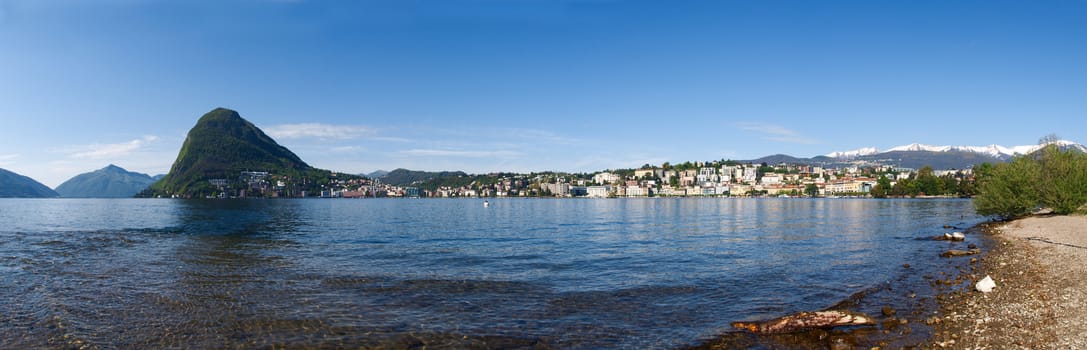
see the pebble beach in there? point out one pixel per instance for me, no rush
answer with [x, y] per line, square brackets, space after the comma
[1039, 265]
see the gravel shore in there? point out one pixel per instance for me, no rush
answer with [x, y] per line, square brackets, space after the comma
[1040, 302]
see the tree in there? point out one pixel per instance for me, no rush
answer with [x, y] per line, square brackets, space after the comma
[1063, 184]
[902, 187]
[927, 183]
[812, 190]
[1049, 139]
[949, 185]
[1051, 178]
[1007, 190]
[882, 187]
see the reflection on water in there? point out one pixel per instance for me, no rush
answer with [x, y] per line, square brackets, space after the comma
[648, 273]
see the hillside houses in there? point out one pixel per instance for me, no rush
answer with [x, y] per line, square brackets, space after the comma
[702, 179]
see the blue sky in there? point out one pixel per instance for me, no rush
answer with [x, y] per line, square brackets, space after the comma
[529, 85]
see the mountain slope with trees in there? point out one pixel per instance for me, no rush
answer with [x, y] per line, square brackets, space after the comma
[405, 177]
[221, 147]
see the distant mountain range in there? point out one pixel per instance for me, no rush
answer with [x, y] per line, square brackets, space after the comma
[995, 151]
[109, 182]
[918, 155]
[13, 185]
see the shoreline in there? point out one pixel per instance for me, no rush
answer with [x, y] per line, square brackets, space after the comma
[1038, 264]
[900, 305]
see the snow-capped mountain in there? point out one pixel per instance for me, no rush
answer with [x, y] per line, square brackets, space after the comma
[996, 151]
[854, 153]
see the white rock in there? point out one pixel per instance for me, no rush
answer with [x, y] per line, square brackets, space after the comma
[958, 236]
[985, 285]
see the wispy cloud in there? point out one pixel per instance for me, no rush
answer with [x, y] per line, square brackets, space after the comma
[777, 133]
[8, 159]
[520, 135]
[319, 131]
[347, 149]
[108, 150]
[539, 135]
[460, 153]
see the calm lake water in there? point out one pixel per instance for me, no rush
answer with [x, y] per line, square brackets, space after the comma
[562, 273]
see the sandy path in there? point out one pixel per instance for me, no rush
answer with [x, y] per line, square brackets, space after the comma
[1060, 243]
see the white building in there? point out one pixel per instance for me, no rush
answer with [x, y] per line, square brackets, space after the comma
[637, 191]
[707, 175]
[748, 174]
[598, 191]
[771, 179]
[605, 178]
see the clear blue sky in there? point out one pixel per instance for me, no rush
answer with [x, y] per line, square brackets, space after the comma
[528, 85]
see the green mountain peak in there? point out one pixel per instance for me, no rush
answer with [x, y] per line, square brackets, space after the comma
[218, 149]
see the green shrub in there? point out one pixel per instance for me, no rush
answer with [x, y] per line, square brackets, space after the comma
[1051, 178]
[1007, 190]
[1063, 184]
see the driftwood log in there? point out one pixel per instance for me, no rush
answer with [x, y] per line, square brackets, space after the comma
[956, 252]
[806, 321]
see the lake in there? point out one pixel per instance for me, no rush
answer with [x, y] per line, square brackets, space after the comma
[398, 273]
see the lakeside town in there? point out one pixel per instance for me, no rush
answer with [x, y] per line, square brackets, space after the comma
[690, 179]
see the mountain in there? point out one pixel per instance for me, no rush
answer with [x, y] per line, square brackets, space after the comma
[994, 151]
[404, 177]
[109, 182]
[376, 174]
[854, 153]
[220, 147]
[13, 185]
[917, 155]
[778, 159]
[937, 160]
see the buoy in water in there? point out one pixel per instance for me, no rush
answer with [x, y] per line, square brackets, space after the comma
[486, 204]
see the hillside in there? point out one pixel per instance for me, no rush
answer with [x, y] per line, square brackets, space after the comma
[13, 185]
[220, 147]
[109, 182]
[404, 177]
[938, 160]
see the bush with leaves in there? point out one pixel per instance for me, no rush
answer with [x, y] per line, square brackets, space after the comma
[1007, 190]
[1051, 178]
[1062, 185]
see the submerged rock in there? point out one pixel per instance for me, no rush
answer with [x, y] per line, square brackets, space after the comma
[805, 321]
[953, 236]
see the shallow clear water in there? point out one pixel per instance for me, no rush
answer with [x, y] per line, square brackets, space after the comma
[567, 273]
